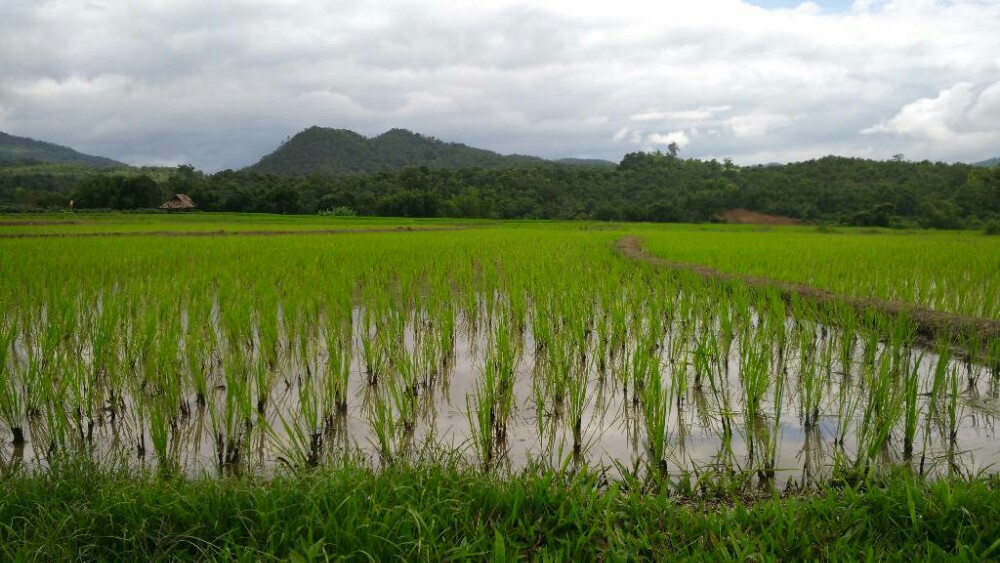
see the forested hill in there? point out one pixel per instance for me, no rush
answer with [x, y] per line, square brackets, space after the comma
[319, 150]
[990, 162]
[22, 150]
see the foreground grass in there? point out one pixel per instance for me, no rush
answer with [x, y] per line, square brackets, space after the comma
[435, 512]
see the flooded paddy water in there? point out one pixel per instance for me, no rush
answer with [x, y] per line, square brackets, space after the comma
[793, 410]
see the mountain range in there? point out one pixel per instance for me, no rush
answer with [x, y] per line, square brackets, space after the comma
[22, 150]
[319, 150]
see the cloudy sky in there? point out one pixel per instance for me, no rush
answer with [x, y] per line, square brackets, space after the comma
[220, 84]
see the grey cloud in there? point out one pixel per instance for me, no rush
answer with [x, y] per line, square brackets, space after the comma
[220, 84]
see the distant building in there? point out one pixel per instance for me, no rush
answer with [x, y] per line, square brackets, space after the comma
[179, 202]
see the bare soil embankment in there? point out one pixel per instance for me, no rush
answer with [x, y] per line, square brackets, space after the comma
[930, 324]
[747, 217]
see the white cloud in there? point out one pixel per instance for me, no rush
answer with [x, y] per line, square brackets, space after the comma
[679, 137]
[962, 115]
[985, 114]
[808, 8]
[699, 114]
[756, 124]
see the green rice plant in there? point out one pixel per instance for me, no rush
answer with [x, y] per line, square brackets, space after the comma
[503, 358]
[885, 404]
[656, 404]
[940, 374]
[973, 346]
[404, 389]
[55, 412]
[446, 331]
[774, 435]
[810, 384]
[383, 331]
[137, 405]
[574, 351]
[993, 359]
[481, 414]
[618, 334]
[847, 343]
[12, 401]
[705, 356]
[305, 432]
[678, 379]
[953, 405]
[338, 331]
[197, 354]
[374, 357]
[105, 345]
[83, 398]
[384, 427]
[272, 325]
[911, 406]
[160, 417]
[558, 369]
[755, 377]
[490, 410]
[232, 417]
[578, 400]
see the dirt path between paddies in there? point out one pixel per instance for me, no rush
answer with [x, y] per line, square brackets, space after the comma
[930, 324]
[224, 233]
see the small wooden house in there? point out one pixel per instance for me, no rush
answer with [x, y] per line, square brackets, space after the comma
[179, 202]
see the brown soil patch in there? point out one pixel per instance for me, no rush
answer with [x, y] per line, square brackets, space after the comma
[222, 233]
[930, 324]
[747, 217]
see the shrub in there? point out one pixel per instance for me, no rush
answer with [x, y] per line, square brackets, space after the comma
[339, 211]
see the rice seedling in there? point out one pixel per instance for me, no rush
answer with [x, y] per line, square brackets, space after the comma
[258, 351]
[12, 401]
[338, 331]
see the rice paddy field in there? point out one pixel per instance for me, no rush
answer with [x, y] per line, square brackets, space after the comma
[437, 389]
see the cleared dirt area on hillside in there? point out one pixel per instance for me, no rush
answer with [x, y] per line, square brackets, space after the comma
[747, 217]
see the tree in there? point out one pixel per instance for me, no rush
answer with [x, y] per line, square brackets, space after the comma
[939, 214]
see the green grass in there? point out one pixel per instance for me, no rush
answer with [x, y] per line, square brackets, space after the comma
[444, 512]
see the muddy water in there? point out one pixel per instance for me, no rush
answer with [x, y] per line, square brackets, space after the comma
[777, 445]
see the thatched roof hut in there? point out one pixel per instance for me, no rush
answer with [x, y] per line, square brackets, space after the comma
[179, 202]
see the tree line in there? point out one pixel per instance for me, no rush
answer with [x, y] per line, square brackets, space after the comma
[644, 187]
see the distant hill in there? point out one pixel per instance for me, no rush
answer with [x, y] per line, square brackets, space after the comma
[319, 150]
[22, 150]
[987, 163]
